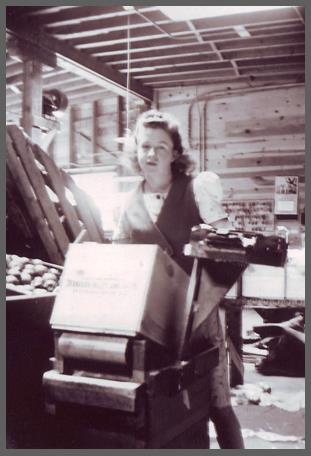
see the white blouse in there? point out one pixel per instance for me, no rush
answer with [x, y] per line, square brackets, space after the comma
[207, 193]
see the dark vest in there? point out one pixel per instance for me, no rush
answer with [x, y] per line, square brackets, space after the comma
[172, 230]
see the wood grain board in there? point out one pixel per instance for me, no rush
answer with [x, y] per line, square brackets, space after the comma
[58, 219]
[35, 210]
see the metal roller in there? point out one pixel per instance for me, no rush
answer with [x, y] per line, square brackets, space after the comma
[93, 348]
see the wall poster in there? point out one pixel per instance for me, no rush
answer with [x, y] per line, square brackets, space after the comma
[286, 195]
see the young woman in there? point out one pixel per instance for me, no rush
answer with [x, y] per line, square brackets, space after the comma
[162, 210]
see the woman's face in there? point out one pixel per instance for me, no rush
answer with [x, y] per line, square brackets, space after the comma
[155, 151]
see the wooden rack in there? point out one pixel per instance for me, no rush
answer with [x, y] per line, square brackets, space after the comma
[51, 207]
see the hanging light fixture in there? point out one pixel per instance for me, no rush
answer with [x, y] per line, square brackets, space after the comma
[54, 103]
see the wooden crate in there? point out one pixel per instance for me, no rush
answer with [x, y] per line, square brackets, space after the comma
[47, 208]
[169, 409]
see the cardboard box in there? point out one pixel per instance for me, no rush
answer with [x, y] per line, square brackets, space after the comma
[295, 274]
[123, 289]
[261, 281]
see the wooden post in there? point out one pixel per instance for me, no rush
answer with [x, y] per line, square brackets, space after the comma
[94, 132]
[235, 341]
[32, 97]
[120, 130]
[72, 152]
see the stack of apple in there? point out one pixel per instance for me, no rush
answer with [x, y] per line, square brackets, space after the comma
[28, 276]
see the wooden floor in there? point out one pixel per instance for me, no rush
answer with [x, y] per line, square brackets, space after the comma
[279, 425]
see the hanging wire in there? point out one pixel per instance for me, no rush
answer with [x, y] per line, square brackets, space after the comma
[128, 75]
[127, 96]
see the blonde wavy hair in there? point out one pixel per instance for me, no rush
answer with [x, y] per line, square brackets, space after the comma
[183, 163]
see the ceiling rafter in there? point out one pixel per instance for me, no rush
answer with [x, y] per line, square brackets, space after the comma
[83, 47]
[70, 58]
[96, 25]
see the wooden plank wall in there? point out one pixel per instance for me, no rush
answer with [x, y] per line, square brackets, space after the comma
[95, 127]
[246, 135]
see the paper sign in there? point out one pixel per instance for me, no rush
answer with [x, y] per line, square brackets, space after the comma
[286, 195]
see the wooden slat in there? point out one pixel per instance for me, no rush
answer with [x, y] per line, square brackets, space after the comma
[15, 213]
[189, 75]
[282, 125]
[37, 182]
[190, 406]
[83, 208]
[89, 391]
[297, 59]
[96, 26]
[139, 33]
[198, 64]
[273, 78]
[249, 43]
[155, 41]
[74, 60]
[265, 160]
[59, 189]
[34, 209]
[265, 51]
[69, 14]
[169, 60]
[277, 69]
[148, 50]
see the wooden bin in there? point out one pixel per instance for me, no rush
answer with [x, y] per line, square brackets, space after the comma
[46, 209]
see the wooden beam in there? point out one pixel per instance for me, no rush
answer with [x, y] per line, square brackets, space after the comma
[57, 74]
[254, 80]
[77, 100]
[32, 95]
[149, 48]
[151, 40]
[242, 43]
[224, 41]
[72, 149]
[250, 18]
[74, 84]
[279, 170]
[176, 54]
[140, 33]
[300, 10]
[94, 131]
[96, 26]
[191, 66]
[120, 109]
[87, 91]
[163, 75]
[169, 60]
[277, 68]
[73, 60]
[273, 159]
[15, 69]
[63, 13]
[291, 27]
[264, 51]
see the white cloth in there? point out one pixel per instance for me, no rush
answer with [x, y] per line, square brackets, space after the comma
[208, 196]
[154, 203]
